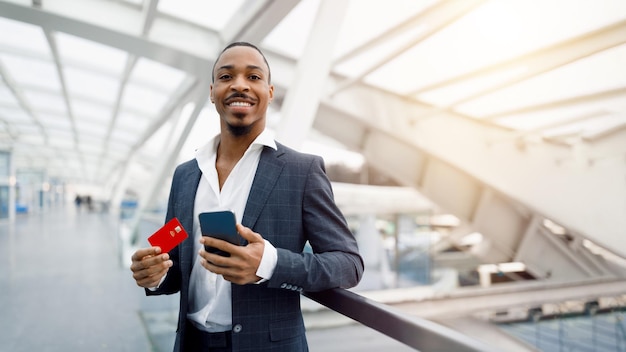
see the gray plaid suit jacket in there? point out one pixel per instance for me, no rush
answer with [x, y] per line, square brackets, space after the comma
[290, 203]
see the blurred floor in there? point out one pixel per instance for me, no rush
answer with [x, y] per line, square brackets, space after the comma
[63, 288]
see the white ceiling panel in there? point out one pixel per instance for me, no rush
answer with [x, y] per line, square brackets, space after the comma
[14, 114]
[45, 101]
[56, 122]
[7, 99]
[60, 140]
[125, 135]
[589, 128]
[24, 36]
[358, 28]
[425, 53]
[31, 72]
[90, 111]
[494, 32]
[132, 122]
[28, 136]
[89, 129]
[601, 72]
[88, 147]
[93, 85]
[213, 14]
[89, 53]
[157, 76]
[118, 150]
[139, 98]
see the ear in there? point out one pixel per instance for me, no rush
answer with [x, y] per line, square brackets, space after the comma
[271, 93]
[211, 94]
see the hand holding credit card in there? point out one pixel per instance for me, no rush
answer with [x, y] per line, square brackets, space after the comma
[168, 236]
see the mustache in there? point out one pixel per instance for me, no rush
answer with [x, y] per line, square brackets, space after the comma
[239, 95]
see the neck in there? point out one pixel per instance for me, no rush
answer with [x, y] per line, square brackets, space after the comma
[232, 147]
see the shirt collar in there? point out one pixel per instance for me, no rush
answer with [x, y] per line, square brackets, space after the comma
[265, 139]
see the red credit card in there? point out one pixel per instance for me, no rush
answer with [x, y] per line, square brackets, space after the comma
[168, 236]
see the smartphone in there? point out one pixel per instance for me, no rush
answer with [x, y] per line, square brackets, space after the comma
[219, 224]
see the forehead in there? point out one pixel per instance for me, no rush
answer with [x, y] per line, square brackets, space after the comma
[239, 57]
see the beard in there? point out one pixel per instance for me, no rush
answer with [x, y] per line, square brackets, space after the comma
[239, 131]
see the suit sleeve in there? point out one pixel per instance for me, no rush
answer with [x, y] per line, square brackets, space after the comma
[171, 284]
[335, 261]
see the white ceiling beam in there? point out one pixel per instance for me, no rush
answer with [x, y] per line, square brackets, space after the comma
[305, 93]
[189, 61]
[608, 132]
[432, 20]
[544, 59]
[538, 179]
[150, 12]
[148, 15]
[534, 64]
[255, 19]
[169, 160]
[13, 88]
[572, 101]
[64, 93]
[176, 100]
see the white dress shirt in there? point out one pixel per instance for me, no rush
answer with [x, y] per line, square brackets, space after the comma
[209, 294]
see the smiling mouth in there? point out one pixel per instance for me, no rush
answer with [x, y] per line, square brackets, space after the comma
[240, 104]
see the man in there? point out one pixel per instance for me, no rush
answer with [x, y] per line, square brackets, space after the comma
[249, 301]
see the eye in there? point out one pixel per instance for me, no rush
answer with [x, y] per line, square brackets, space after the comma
[224, 76]
[255, 77]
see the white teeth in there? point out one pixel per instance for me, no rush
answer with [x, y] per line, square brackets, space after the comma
[239, 103]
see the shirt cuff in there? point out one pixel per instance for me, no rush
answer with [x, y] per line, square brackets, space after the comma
[268, 263]
[157, 286]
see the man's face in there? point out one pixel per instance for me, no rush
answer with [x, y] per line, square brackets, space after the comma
[241, 91]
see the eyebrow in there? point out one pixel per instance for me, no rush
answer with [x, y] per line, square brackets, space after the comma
[249, 67]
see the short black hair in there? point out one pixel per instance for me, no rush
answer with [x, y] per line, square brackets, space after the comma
[234, 44]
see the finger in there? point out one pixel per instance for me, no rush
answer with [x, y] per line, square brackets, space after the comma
[215, 260]
[148, 277]
[143, 252]
[219, 244]
[151, 281]
[148, 262]
[141, 274]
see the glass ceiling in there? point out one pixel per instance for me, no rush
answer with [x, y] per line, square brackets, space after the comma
[83, 98]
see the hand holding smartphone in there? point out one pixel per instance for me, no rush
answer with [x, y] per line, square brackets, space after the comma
[221, 225]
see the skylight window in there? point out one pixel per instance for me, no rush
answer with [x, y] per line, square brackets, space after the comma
[24, 36]
[212, 14]
[45, 102]
[93, 54]
[597, 73]
[31, 72]
[89, 84]
[6, 97]
[156, 75]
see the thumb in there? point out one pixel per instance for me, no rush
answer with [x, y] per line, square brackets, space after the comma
[248, 234]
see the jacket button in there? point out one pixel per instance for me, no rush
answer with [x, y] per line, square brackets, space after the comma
[283, 285]
[237, 328]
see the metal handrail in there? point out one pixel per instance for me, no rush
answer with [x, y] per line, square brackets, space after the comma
[421, 334]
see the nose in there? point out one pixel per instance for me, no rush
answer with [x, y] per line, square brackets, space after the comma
[240, 84]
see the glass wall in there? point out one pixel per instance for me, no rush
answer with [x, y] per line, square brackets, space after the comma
[5, 177]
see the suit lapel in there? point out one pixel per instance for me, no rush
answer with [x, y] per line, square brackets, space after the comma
[270, 167]
[188, 188]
